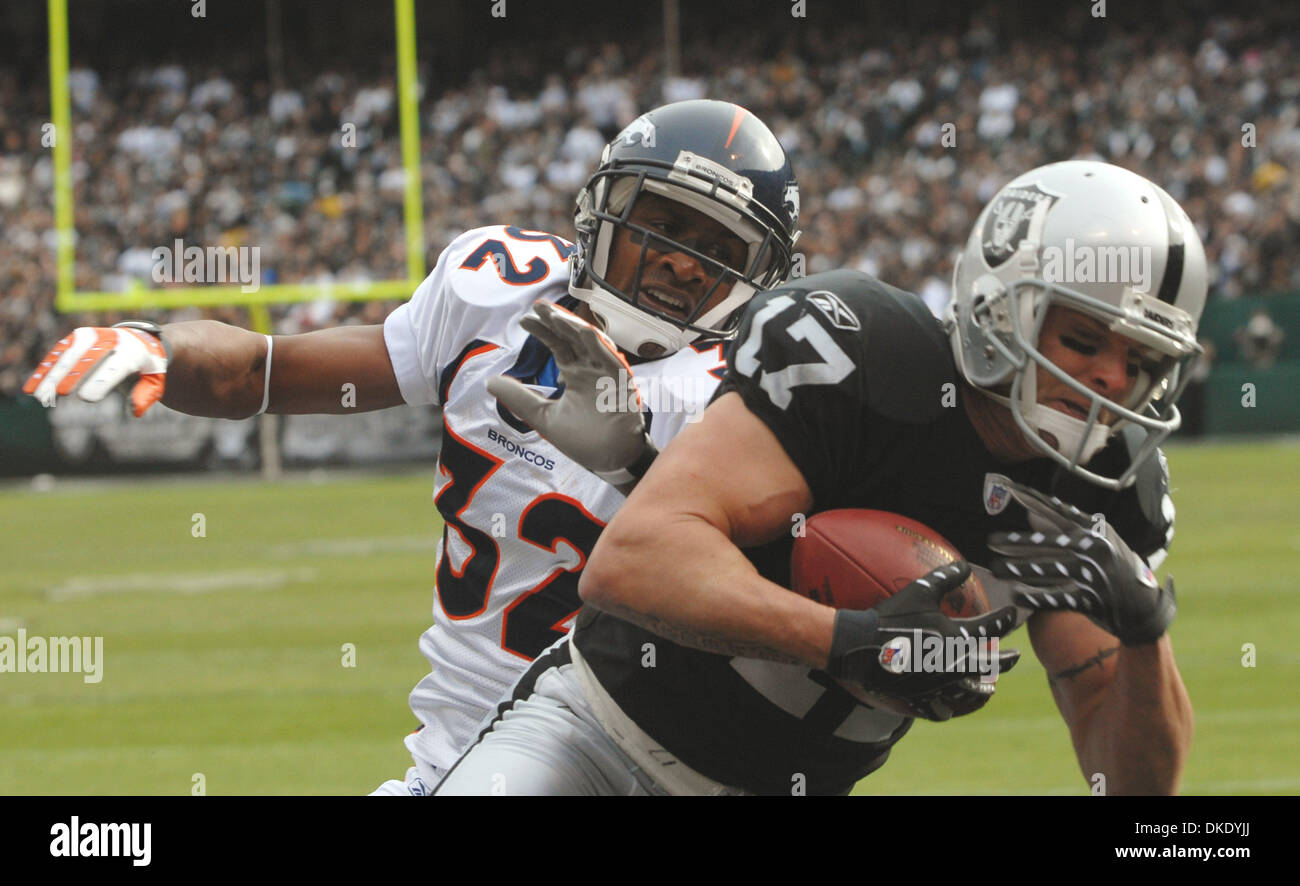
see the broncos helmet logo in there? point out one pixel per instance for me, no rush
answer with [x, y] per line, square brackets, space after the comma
[640, 129]
[791, 201]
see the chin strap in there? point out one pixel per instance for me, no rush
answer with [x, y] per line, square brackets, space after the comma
[631, 328]
[1068, 431]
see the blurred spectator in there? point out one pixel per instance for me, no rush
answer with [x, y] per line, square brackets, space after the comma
[1260, 340]
[898, 139]
[1192, 403]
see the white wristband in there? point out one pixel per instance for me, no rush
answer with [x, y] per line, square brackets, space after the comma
[266, 384]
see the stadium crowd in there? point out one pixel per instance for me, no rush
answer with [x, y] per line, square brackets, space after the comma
[896, 146]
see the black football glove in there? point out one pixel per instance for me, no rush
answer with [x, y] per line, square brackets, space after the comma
[874, 648]
[965, 696]
[1079, 566]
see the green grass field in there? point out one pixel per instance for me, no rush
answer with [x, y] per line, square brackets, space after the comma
[223, 655]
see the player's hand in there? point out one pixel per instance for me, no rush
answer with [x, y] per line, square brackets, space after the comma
[597, 421]
[884, 649]
[90, 361]
[965, 696]
[1072, 563]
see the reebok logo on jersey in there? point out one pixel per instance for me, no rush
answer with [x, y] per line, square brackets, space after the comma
[835, 310]
[528, 455]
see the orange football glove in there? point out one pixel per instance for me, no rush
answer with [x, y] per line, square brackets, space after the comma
[91, 361]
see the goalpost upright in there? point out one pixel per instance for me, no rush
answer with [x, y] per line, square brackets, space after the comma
[137, 296]
[69, 299]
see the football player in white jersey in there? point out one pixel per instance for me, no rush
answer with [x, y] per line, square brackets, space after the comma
[692, 210]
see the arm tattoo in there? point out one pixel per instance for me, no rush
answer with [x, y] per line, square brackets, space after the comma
[706, 642]
[1094, 662]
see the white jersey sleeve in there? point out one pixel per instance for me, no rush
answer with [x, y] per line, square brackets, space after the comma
[463, 300]
[676, 389]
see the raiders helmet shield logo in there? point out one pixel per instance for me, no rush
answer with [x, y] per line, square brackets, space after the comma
[835, 310]
[1009, 220]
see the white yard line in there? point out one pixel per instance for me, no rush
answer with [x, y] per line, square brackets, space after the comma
[350, 547]
[81, 586]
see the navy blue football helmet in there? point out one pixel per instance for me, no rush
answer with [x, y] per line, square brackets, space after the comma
[711, 156]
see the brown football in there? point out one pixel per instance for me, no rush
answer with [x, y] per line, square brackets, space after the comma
[853, 558]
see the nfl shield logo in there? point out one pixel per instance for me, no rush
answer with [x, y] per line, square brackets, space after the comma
[895, 655]
[996, 493]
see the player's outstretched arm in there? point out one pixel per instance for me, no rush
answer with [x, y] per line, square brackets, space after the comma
[220, 371]
[212, 369]
[1129, 714]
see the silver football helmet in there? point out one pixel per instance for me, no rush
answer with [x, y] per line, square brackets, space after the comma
[1101, 240]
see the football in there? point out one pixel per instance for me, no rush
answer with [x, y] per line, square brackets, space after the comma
[853, 558]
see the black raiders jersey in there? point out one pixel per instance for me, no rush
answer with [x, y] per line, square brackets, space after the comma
[857, 381]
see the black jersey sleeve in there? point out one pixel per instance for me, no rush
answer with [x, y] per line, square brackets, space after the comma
[828, 362]
[1145, 517]
[798, 368]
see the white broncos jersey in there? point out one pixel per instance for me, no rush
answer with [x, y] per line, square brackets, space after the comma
[520, 518]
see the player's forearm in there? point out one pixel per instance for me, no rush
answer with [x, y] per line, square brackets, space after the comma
[1141, 730]
[220, 371]
[690, 584]
[216, 370]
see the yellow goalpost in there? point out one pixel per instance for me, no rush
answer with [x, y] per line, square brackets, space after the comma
[68, 299]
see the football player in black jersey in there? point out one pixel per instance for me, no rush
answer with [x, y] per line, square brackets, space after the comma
[1026, 426]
